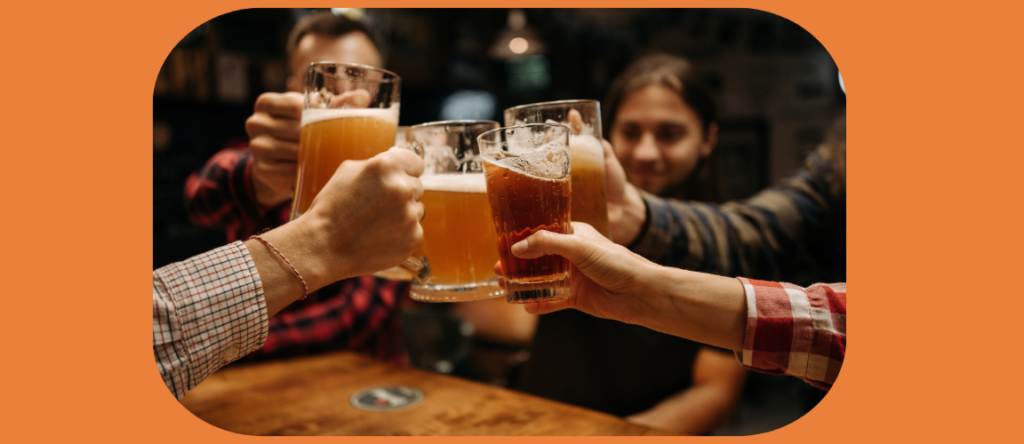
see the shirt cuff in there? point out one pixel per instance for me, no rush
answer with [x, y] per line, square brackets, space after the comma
[788, 332]
[220, 307]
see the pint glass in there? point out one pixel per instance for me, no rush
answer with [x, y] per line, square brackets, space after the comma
[528, 187]
[350, 113]
[458, 251]
[589, 195]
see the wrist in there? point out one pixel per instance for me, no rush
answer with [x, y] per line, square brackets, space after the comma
[266, 197]
[303, 241]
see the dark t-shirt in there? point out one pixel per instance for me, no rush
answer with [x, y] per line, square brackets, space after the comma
[603, 365]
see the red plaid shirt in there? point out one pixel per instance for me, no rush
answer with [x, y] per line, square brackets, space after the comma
[358, 314]
[207, 311]
[795, 331]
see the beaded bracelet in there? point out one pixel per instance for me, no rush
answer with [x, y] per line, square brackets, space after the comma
[269, 245]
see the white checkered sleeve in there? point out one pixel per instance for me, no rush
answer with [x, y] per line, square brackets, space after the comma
[207, 311]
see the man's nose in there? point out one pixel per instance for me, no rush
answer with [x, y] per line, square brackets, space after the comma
[646, 150]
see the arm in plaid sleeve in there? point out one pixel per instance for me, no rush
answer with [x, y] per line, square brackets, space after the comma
[207, 311]
[221, 195]
[788, 231]
[795, 331]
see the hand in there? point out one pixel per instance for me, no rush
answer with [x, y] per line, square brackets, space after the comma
[627, 211]
[367, 217]
[274, 142]
[606, 279]
[611, 282]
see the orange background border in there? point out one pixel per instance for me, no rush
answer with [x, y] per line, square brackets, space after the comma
[935, 93]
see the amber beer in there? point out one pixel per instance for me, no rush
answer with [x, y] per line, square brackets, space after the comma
[589, 193]
[458, 239]
[529, 189]
[332, 136]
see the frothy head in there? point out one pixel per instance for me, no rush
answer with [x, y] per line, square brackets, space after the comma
[455, 183]
[314, 115]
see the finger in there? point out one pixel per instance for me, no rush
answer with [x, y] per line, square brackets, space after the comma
[359, 98]
[498, 269]
[286, 106]
[577, 249]
[279, 176]
[608, 150]
[421, 211]
[263, 123]
[576, 122]
[417, 188]
[268, 149]
[407, 160]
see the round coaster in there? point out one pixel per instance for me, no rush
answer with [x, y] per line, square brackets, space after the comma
[392, 397]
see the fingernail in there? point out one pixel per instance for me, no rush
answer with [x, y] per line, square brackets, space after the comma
[531, 308]
[520, 247]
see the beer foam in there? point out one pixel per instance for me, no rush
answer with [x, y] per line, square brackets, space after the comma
[586, 149]
[545, 163]
[314, 115]
[456, 183]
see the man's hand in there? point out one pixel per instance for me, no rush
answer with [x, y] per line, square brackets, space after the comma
[611, 282]
[274, 142]
[627, 211]
[607, 279]
[367, 217]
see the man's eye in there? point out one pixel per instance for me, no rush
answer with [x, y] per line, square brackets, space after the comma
[669, 134]
[631, 133]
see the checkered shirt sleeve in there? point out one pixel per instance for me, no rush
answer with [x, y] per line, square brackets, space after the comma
[795, 331]
[207, 312]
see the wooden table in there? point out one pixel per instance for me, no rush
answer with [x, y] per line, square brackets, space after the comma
[310, 396]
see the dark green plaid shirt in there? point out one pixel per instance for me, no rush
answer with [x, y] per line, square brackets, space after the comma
[794, 231]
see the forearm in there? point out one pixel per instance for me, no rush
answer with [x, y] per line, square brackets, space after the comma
[701, 307]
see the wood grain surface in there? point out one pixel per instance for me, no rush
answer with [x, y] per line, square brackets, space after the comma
[310, 396]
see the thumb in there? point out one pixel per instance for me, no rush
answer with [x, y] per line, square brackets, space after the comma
[573, 247]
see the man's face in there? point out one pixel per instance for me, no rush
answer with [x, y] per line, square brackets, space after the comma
[354, 47]
[659, 139]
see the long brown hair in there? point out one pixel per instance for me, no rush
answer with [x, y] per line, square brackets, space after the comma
[681, 76]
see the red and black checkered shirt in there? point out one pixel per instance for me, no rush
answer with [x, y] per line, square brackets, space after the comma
[358, 314]
[795, 331]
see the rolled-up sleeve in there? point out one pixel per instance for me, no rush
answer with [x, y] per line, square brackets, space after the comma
[208, 311]
[795, 331]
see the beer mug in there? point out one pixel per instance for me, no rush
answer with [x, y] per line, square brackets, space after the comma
[350, 113]
[529, 189]
[589, 193]
[458, 251]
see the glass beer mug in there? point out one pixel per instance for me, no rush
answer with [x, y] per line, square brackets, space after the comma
[350, 113]
[458, 252]
[528, 188]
